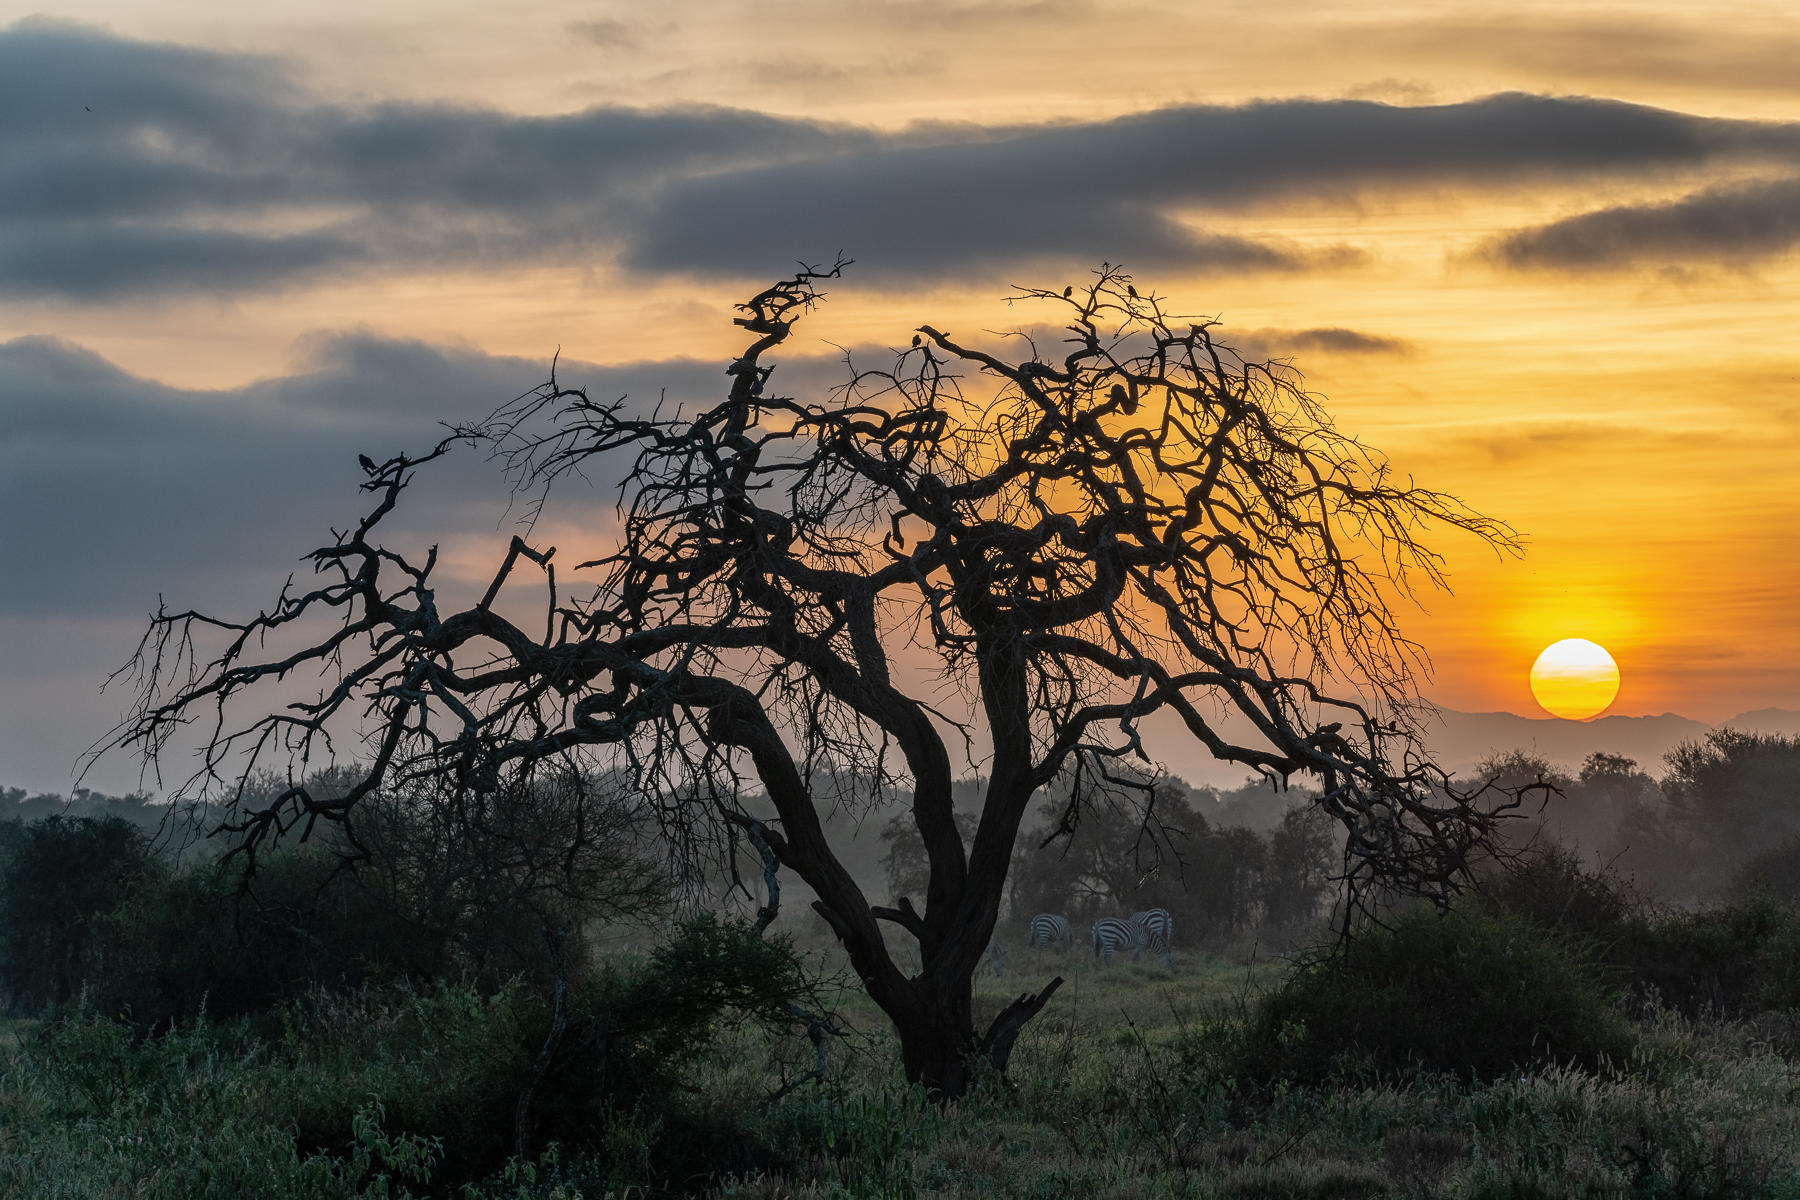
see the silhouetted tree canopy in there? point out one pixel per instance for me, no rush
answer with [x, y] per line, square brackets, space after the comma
[1132, 522]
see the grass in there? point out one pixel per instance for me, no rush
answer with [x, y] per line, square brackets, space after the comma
[1122, 1088]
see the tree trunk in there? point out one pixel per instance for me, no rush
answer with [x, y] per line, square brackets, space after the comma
[938, 1044]
[936, 1053]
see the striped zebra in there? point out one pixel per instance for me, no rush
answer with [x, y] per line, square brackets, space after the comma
[1049, 928]
[1156, 927]
[1110, 934]
[1157, 924]
[996, 956]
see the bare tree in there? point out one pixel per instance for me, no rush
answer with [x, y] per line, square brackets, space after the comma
[1142, 523]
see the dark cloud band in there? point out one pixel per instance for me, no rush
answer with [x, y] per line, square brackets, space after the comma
[1731, 225]
[130, 167]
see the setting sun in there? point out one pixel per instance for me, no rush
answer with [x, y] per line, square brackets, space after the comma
[1575, 679]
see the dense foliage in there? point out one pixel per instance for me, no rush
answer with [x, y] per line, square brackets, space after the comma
[61, 880]
[1471, 993]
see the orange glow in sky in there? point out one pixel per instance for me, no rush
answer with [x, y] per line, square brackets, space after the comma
[1541, 255]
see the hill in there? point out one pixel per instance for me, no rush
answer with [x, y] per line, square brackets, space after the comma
[1460, 740]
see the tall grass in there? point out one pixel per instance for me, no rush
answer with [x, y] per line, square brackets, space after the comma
[1123, 1088]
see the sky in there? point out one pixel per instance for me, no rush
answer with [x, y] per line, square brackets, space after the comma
[1543, 256]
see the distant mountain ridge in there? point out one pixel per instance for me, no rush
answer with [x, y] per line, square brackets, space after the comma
[1460, 740]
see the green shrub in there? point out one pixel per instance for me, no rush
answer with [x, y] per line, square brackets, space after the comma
[1471, 993]
[639, 1028]
[1775, 871]
[1729, 960]
[1553, 890]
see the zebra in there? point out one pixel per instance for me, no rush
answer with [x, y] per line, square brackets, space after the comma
[1049, 928]
[1110, 933]
[996, 956]
[1157, 925]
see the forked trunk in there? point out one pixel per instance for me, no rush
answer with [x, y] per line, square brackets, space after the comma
[940, 1049]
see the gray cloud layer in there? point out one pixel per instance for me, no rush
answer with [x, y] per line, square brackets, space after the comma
[132, 168]
[118, 488]
[1269, 343]
[1731, 225]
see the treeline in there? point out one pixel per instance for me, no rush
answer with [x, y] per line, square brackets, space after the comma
[148, 916]
[1232, 868]
[1224, 884]
[1722, 819]
[136, 808]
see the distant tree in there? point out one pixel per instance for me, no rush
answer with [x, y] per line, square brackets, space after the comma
[1612, 794]
[1522, 772]
[1218, 891]
[1297, 883]
[1729, 798]
[61, 881]
[1775, 871]
[1254, 805]
[1114, 861]
[1139, 523]
[903, 858]
[492, 877]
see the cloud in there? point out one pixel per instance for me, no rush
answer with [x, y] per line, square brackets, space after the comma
[117, 488]
[1600, 445]
[607, 33]
[129, 168]
[1079, 192]
[1329, 340]
[132, 167]
[1683, 49]
[1735, 225]
[112, 262]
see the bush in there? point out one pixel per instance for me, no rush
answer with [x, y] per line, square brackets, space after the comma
[1471, 993]
[429, 891]
[1551, 889]
[1775, 871]
[420, 1083]
[1729, 960]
